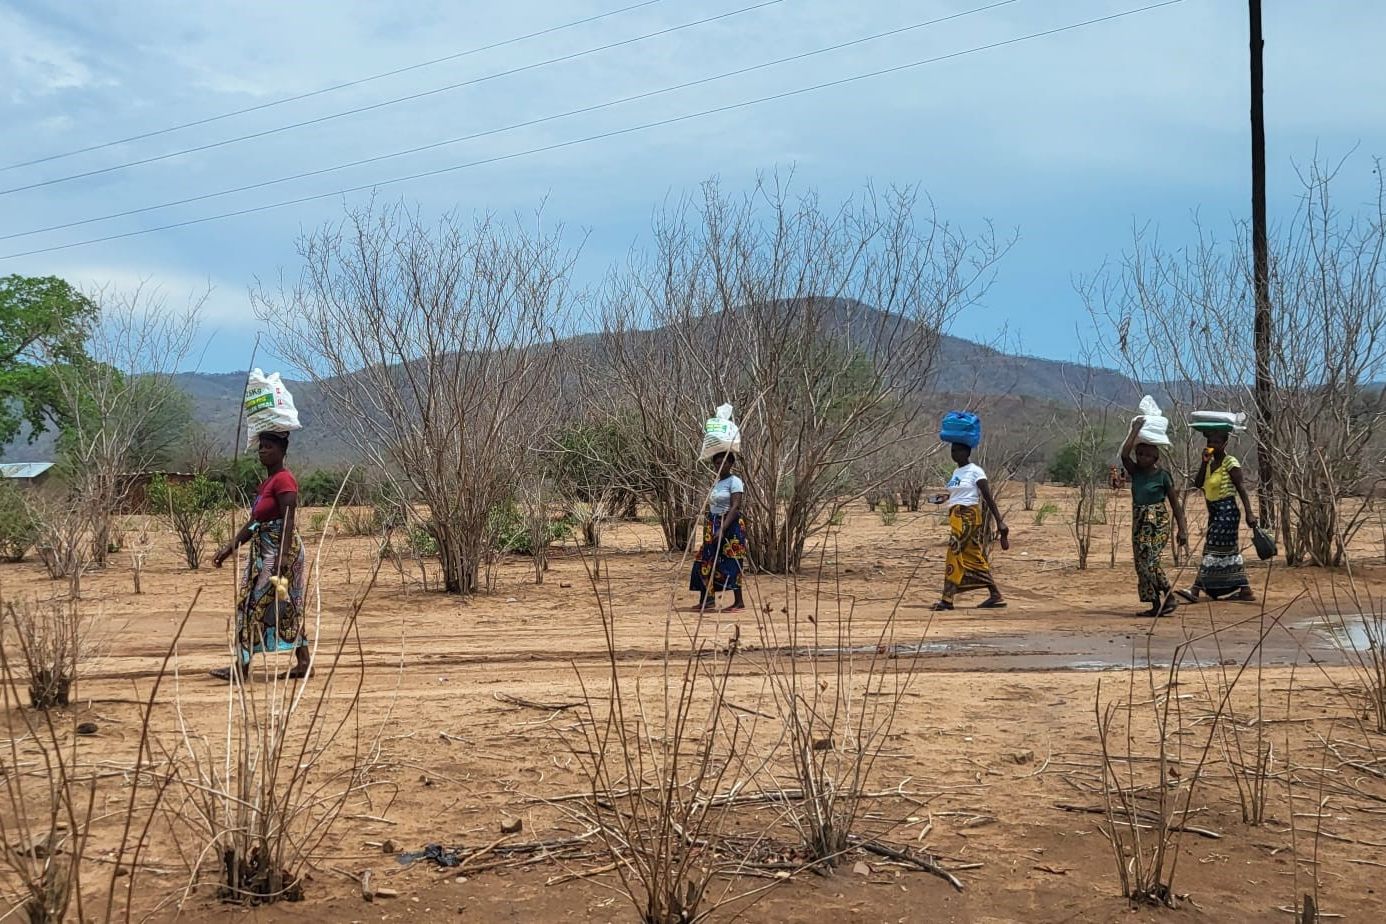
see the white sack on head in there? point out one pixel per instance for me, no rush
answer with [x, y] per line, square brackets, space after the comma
[720, 434]
[1155, 429]
[268, 406]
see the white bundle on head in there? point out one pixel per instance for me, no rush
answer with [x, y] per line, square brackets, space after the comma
[1235, 421]
[1155, 427]
[720, 434]
[268, 406]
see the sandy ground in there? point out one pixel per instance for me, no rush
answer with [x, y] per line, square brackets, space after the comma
[996, 726]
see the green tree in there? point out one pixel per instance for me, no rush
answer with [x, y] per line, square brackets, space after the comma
[191, 509]
[241, 476]
[1080, 461]
[44, 324]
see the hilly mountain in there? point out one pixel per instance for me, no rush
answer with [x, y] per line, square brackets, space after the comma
[963, 369]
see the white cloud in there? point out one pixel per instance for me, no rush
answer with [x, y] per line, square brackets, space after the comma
[1152, 106]
[34, 63]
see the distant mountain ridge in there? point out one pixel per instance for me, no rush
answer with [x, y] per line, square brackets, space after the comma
[962, 367]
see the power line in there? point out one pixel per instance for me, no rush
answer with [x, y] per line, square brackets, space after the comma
[604, 135]
[514, 126]
[330, 89]
[391, 102]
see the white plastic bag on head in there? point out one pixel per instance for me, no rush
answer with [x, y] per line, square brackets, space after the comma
[720, 434]
[1155, 428]
[268, 406]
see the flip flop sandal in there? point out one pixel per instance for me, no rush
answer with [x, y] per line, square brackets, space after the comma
[992, 605]
[941, 607]
[224, 673]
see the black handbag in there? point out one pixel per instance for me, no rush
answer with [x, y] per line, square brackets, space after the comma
[1264, 542]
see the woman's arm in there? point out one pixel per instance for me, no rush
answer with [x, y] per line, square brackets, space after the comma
[237, 540]
[1001, 528]
[1176, 503]
[1236, 476]
[1201, 476]
[1129, 446]
[288, 505]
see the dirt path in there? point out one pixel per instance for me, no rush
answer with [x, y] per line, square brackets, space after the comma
[996, 730]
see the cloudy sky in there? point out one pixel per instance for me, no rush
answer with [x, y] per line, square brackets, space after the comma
[1069, 139]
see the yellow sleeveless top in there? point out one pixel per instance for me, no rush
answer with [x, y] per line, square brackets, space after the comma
[1217, 484]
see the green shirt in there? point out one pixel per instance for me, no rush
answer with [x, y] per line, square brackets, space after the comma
[1152, 487]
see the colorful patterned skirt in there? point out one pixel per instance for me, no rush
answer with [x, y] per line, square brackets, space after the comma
[1222, 571]
[719, 568]
[265, 620]
[1149, 536]
[968, 568]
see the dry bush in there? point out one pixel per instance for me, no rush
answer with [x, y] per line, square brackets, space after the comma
[1155, 757]
[658, 753]
[1244, 734]
[1184, 317]
[54, 638]
[820, 324]
[64, 529]
[1355, 619]
[120, 411]
[257, 799]
[836, 689]
[49, 801]
[434, 349]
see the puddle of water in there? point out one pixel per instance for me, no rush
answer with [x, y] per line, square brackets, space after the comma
[1350, 631]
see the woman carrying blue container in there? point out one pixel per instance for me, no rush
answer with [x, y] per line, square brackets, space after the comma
[967, 565]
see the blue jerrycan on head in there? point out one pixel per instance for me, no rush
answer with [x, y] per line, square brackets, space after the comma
[961, 427]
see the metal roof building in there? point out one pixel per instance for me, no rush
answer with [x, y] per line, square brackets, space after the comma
[24, 471]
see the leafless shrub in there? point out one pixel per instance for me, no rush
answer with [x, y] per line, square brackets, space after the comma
[434, 348]
[819, 324]
[1185, 317]
[1244, 735]
[658, 752]
[1355, 619]
[119, 408]
[837, 690]
[1150, 773]
[64, 528]
[255, 795]
[55, 638]
[49, 797]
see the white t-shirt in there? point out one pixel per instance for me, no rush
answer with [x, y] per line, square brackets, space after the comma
[722, 494]
[962, 487]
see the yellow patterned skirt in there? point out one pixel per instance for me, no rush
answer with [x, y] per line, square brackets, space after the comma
[968, 568]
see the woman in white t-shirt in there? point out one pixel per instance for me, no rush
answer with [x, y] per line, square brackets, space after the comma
[722, 558]
[968, 568]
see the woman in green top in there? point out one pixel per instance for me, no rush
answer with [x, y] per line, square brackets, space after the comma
[1151, 488]
[1222, 571]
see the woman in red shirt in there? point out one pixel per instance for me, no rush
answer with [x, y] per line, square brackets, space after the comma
[269, 612]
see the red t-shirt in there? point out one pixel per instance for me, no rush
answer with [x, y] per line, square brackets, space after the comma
[266, 508]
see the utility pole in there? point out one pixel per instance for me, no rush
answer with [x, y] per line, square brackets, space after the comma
[1260, 250]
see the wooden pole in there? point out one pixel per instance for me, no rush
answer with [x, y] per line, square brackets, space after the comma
[1260, 249]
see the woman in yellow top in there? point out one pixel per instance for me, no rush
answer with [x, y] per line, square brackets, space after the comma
[1222, 571]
